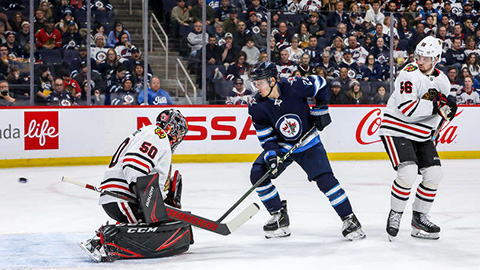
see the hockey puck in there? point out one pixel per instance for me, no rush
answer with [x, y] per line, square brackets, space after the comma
[22, 180]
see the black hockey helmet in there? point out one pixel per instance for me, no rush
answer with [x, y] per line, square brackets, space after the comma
[174, 124]
[263, 70]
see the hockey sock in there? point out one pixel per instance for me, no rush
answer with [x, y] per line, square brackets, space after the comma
[427, 190]
[269, 196]
[400, 195]
[329, 185]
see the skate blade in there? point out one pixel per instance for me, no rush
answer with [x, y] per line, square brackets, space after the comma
[424, 235]
[390, 238]
[95, 257]
[279, 233]
[356, 235]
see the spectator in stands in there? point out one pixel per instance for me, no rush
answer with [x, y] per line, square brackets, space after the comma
[127, 95]
[303, 35]
[355, 95]
[101, 5]
[13, 47]
[114, 35]
[194, 39]
[339, 16]
[386, 28]
[46, 8]
[71, 39]
[230, 52]
[60, 96]
[305, 67]
[260, 10]
[314, 27]
[328, 63]
[223, 12]
[468, 28]
[446, 41]
[391, 9]
[294, 52]
[251, 52]
[6, 99]
[469, 95]
[285, 66]
[341, 32]
[467, 13]
[71, 85]
[64, 23]
[123, 45]
[138, 77]
[314, 51]
[98, 83]
[455, 56]
[351, 65]
[418, 35]
[44, 81]
[336, 96]
[14, 76]
[466, 73]
[399, 52]
[239, 94]
[353, 27]
[359, 53]
[336, 50]
[253, 23]
[98, 50]
[274, 52]
[219, 34]
[241, 36]
[447, 12]
[230, 25]
[16, 22]
[380, 96]
[343, 79]
[374, 14]
[156, 96]
[381, 52]
[136, 59]
[430, 28]
[4, 61]
[116, 78]
[472, 64]
[404, 29]
[238, 68]
[2, 33]
[23, 36]
[61, 8]
[98, 29]
[180, 16]
[379, 33]
[82, 58]
[455, 83]
[282, 38]
[470, 47]
[260, 38]
[48, 37]
[429, 10]
[196, 13]
[39, 20]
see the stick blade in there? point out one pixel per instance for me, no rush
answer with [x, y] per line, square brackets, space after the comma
[243, 217]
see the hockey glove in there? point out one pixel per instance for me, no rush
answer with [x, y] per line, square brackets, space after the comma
[445, 107]
[320, 116]
[173, 186]
[273, 163]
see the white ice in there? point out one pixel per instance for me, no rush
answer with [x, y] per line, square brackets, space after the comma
[42, 220]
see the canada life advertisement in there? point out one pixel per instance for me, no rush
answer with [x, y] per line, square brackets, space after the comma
[57, 132]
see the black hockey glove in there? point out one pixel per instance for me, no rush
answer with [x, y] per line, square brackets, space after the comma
[445, 107]
[272, 163]
[173, 185]
[320, 116]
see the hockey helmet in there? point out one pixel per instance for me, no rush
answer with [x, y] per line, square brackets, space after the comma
[263, 70]
[429, 47]
[174, 124]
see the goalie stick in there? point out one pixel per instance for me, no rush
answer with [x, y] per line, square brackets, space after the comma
[183, 216]
[267, 174]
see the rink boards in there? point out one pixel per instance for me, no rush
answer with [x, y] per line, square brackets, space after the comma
[43, 136]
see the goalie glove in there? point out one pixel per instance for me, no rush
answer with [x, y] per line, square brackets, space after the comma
[173, 187]
[320, 116]
[445, 107]
[272, 163]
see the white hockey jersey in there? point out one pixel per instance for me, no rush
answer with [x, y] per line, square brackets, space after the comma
[147, 151]
[409, 110]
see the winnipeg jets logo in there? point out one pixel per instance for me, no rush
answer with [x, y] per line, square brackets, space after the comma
[290, 126]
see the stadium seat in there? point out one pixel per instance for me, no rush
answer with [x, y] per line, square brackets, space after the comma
[50, 56]
[69, 55]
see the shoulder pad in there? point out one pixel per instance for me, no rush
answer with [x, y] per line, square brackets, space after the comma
[410, 68]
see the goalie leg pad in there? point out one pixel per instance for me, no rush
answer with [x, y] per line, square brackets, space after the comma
[126, 241]
[401, 187]
[151, 199]
[427, 190]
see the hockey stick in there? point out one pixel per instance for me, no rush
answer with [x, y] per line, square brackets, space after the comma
[437, 131]
[267, 174]
[183, 216]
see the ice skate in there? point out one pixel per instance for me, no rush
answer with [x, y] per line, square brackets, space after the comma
[393, 224]
[351, 228]
[94, 249]
[422, 227]
[277, 225]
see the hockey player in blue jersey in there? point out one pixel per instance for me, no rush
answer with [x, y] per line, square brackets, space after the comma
[281, 115]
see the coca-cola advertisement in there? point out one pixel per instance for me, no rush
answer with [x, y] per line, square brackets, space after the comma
[41, 130]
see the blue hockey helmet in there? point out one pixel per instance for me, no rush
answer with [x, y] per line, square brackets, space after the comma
[263, 70]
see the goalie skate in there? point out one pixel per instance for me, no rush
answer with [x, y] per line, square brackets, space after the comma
[423, 228]
[94, 250]
[351, 229]
[393, 224]
[277, 225]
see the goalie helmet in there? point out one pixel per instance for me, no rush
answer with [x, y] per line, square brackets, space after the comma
[429, 47]
[174, 124]
[263, 70]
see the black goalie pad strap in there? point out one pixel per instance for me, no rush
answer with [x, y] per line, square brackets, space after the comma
[151, 200]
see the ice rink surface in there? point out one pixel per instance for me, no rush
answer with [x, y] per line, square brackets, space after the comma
[42, 220]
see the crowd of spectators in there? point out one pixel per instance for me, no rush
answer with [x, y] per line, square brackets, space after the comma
[347, 42]
[60, 53]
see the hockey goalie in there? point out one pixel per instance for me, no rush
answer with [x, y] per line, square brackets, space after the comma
[140, 171]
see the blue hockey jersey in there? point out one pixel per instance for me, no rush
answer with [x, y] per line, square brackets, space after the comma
[281, 122]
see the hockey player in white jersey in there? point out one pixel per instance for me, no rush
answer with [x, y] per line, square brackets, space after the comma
[420, 99]
[143, 156]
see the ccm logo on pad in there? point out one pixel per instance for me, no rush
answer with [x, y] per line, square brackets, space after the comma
[41, 130]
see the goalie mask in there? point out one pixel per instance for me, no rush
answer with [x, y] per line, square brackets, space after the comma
[175, 126]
